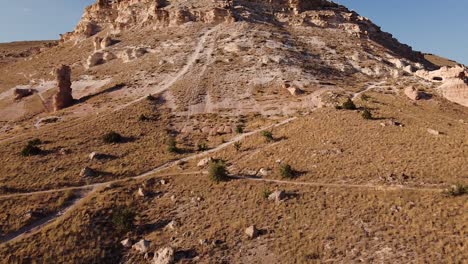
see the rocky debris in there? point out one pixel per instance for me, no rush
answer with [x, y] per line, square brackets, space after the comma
[21, 93]
[63, 98]
[99, 57]
[96, 156]
[141, 192]
[64, 151]
[164, 256]
[87, 172]
[141, 246]
[414, 94]
[277, 196]
[295, 91]
[130, 54]
[433, 132]
[204, 162]
[455, 90]
[172, 225]
[107, 41]
[263, 172]
[252, 232]
[391, 123]
[126, 243]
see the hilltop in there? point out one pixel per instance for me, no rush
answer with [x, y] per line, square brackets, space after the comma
[245, 131]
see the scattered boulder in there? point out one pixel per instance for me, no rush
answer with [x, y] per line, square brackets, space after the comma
[292, 89]
[130, 54]
[433, 132]
[263, 172]
[251, 231]
[64, 151]
[204, 162]
[277, 196]
[141, 246]
[95, 156]
[172, 225]
[63, 98]
[126, 243]
[141, 192]
[87, 172]
[414, 94]
[97, 43]
[21, 93]
[164, 256]
[106, 42]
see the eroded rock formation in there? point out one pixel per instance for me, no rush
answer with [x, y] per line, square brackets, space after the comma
[63, 98]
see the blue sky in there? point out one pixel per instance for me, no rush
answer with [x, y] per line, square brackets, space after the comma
[433, 26]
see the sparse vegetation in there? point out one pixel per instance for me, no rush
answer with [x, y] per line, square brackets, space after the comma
[202, 146]
[287, 171]
[35, 142]
[366, 114]
[143, 118]
[266, 193]
[457, 190]
[123, 218]
[239, 129]
[347, 105]
[172, 145]
[151, 98]
[237, 146]
[268, 135]
[31, 149]
[217, 171]
[112, 137]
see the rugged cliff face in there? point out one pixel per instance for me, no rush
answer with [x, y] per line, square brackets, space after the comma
[118, 16]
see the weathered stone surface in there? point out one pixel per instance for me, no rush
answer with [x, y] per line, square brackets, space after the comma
[141, 246]
[252, 231]
[87, 172]
[164, 256]
[63, 98]
[126, 243]
[277, 196]
[204, 162]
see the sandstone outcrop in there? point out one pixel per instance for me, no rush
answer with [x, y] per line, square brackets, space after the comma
[164, 256]
[414, 94]
[63, 98]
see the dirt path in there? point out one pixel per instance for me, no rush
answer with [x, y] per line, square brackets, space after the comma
[368, 88]
[342, 185]
[36, 226]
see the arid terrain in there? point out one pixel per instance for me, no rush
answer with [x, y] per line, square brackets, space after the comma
[236, 131]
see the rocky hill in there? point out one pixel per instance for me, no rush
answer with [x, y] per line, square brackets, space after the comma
[231, 131]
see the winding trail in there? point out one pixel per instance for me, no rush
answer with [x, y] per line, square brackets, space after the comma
[91, 188]
[368, 88]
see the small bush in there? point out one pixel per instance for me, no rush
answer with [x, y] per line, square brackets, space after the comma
[266, 193]
[30, 150]
[458, 190]
[122, 219]
[268, 136]
[35, 142]
[112, 137]
[237, 146]
[217, 171]
[348, 105]
[366, 114]
[143, 118]
[151, 98]
[287, 171]
[239, 129]
[172, 145]
[202, 147]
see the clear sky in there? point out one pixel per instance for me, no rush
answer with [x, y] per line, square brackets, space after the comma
[435, 26]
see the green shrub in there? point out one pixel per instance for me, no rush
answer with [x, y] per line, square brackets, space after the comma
[151, 98]
[172, 145]
[143, 118]
[112, 137]
[202, 147]
[217, 171]
[366, 114]
[349, 105]
[122, 219]
[30, 150]
[237, 146]
[287, 171]
[268, 136]
[458, 190]
[239, 129]
[35, 142]
[266, 193]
